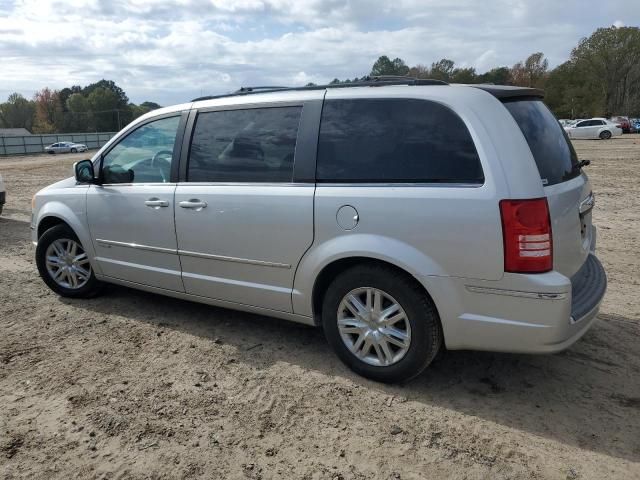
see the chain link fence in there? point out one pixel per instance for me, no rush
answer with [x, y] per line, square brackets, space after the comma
[30, 144]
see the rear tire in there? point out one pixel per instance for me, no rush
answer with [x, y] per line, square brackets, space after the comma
[378, 359]
[73, 281]
[605, 135]
[73, 150]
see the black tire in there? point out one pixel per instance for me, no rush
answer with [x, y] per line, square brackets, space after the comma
[426, 332]
[74, 150]
[605, 135]
[62, 231]
[51, 152]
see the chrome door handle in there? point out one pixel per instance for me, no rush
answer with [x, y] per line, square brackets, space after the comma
[156, 203]
[195, 204]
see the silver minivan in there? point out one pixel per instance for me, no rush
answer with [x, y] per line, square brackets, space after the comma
[402, 216]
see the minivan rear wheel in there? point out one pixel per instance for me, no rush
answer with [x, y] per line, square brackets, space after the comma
[380, 323]
[64, 265]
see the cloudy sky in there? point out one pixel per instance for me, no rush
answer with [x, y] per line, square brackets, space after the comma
[170, 51]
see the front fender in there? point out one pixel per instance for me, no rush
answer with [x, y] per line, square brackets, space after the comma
[73, 212]
[390, 250]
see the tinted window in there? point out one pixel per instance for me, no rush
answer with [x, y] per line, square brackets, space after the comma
[255, 145]
[389, 140]
[583, 124]
[143, 156]
[554, 155]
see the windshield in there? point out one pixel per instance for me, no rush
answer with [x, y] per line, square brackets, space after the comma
[555, 157]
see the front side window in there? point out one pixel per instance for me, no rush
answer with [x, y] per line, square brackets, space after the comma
[253, 145]
[143, 156]
[582, 124]
[395, 140]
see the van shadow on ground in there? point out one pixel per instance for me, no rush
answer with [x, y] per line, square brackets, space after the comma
[584, 397]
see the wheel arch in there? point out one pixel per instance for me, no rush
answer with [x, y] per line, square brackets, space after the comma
[48, 222]
[334, 268]
[57, 213]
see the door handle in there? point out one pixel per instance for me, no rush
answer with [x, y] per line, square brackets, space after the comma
[156, 203]
[194, 204]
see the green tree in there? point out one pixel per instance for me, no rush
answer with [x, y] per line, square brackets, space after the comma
[107, 110]
[464, 75]
[442, 69]
[609, 60]
[384, 66]
[17, 112]
[497, 76]
[78, 118]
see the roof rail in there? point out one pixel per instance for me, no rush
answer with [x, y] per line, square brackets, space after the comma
[375, 81]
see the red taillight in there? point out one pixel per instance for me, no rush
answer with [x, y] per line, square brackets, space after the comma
[526, 232]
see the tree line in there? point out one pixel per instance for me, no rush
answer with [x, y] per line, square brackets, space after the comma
[99, 107]
[600, 78]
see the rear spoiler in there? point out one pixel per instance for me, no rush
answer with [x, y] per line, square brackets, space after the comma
[504, 92]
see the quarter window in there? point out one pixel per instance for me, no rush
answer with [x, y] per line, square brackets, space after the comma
[253, 145]
[143, 156]
[389, 140]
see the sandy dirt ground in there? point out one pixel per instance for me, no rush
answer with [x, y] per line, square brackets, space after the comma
[135, 385]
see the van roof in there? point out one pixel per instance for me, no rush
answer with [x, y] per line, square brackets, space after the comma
[498, 91]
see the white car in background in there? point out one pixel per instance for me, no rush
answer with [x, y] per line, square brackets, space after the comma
[3, 195]
[65, 147]
[593, 128]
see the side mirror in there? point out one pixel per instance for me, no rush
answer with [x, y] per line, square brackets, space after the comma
[84, 171]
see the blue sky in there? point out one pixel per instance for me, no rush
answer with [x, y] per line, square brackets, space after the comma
[170, 51]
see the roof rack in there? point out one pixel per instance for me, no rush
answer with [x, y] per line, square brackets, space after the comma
[375, 81]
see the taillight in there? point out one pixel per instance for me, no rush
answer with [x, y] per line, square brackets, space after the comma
[526, 232]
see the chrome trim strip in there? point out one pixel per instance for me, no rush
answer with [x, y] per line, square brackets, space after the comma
[223, 258]
[516, 293]
[113, 243]
[587, 204]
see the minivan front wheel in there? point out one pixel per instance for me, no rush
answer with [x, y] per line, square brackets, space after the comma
[64, 265]
[380, 323]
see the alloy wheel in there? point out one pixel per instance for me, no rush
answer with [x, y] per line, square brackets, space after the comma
[373, 326]
[68, 263]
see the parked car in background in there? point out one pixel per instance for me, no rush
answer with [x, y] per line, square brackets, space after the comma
[623, 122]
[3, 195]
[65, 147]
[594, 128]
[636, 124]
[355, 207]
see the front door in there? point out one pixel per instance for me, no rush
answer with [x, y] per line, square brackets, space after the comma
[131, 214]
[242, 223]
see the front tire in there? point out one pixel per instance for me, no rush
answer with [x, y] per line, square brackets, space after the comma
[64, 265]
[381, 324]
[605, 135]
[74, 150]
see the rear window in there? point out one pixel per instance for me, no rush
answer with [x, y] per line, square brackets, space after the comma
[555, 157]
[395, 140]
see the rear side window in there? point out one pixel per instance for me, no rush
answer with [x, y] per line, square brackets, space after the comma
[395, 140]
[253, 145]
[555, 157]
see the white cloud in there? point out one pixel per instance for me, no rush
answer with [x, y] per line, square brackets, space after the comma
[172, 50]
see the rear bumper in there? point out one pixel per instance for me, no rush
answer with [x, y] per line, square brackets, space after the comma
[542, 313]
